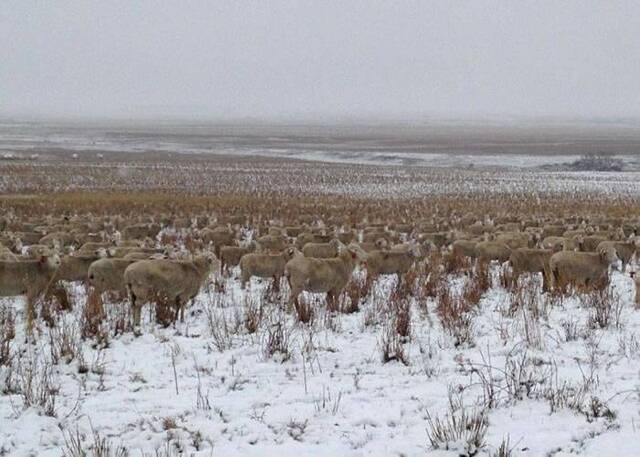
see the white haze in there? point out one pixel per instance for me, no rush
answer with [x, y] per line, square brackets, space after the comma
[319, 59]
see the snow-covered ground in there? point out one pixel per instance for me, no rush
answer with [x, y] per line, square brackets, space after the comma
[437, 144]
[208, 387]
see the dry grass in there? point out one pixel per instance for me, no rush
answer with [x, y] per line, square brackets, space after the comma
[92, 315]
[460, 425]
[455, 263]
[7, 334]
[304, 310]
[278, 340]
[391, 346]
[605, 308]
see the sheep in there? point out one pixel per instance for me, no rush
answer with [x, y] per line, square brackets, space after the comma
[132, 244]
[7, 255]
[91, 246]
[322, 250]
[328, 276]
[346, 237]
[294, 231]
[379, 245]
[553, 230]
[492, 250]
[201, 221]
[230, 255]
[218, 237]
[182, 223]
[140, 255]
[171, 281]
[264, 266]
[30, 278]
[624, 250]
[526, 260]
[123, 251]
[272, 243]
[479, 229]
[515, 240]
[396, 262]
[276, 231]
[465, 248]
[92, 237]
[511, 227]
[322, 237]
[28, 237]
[107, 275]
[576, 233]
[584, 269]
[439, 239]
[138, 231]
[304, 238]
[371, 237]
[61, 238]
[559, 243]
[403, 228]
[75, 267]
[35, 251]
[591, 243]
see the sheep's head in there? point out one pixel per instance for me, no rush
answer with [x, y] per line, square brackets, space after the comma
[17, 244]
[51, 261]
[291, 252]
[381, 243]
[415, 251]
[208, 260]
[609, 255]
[429, 246]
[357, 253]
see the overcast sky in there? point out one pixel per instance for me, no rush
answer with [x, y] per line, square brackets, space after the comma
[303, 59]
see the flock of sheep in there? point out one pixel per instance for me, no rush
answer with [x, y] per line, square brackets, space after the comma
[169, 260]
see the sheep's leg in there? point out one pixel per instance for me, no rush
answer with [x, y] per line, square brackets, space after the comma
[30, 311]
[555, 275]
[276, 283]
[545, 281]
[94, 303]
[293, 300]
[136, 308]
[369, 281]
[190, 302]
[177, 313]
[331, 299]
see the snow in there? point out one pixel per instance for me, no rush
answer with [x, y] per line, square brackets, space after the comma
[334, 396]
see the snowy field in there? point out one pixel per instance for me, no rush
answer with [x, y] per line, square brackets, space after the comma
[456, 366]
[542, 375]
[506, 144]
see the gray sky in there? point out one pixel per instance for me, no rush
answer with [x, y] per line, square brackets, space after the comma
[299, 59]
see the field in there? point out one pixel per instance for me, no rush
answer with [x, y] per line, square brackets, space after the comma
[457, 360]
